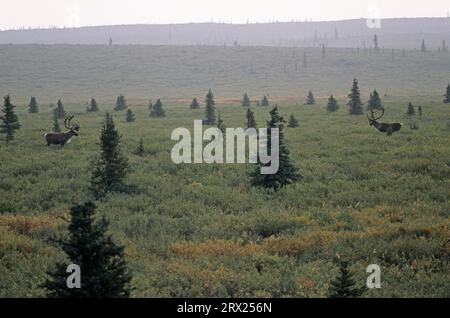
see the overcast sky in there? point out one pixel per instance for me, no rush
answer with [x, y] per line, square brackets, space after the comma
[32, 13]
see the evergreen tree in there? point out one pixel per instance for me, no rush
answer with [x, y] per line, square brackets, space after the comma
[129, 118]
[423, 47]
[265, 101]
[121, 103]
[150, 105]
[220, 124]
[158, 110]
[195, 104]
[343, 286]
[111, 168]
[332, 105]
[375, 43]
[210, 112]
[420, 111]
[410, 111]
[56, 127]
[355, 104]
[375, 101]
[93, 106]
[140, 150]
[60, 112]
[102, 263]
[251, 122]
[310, 99]
[10, 122]
[447, 95]
[293, 122]
[33, 106]
[287, 172]
[245, 101]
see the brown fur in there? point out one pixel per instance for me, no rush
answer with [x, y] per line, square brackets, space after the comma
[384, 127]
[63, 138]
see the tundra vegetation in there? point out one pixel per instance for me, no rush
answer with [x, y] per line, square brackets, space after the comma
[202, 229]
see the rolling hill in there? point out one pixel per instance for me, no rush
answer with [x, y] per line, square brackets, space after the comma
[400, 33]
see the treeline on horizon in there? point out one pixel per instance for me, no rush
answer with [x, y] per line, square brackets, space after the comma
[397, 33]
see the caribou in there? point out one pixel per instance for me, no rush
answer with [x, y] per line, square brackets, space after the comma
[64, 137]
[383, 127]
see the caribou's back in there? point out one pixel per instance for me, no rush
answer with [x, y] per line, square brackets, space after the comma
[58, 138]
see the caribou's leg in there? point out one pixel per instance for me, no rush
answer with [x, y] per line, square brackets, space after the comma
[389, 132]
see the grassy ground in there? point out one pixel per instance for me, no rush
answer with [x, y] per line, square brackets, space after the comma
[77, 73]
[199, 230]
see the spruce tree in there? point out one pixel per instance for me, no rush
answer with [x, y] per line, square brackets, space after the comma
[410, 111]
[210, 111]
[33, 106]
[93, 106]
[375, 102]
[111, 167]
[423, 47]
[310, 99]
[343, 286]
[129, 118]
[103, 268]
[265, 101]
[158, 110]
[251, 122]
[355, 104]
[195, 104]
[375, 43]
[293, 122]
[140, 150]
[121, 103]
[220, 124]
[332, 105]
[447, 95]
[10, 122]
[245, 101]
[56, 127]
[287, 172]
[60, 112]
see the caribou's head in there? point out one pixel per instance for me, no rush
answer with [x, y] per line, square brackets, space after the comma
[373, 121]
[74, 128]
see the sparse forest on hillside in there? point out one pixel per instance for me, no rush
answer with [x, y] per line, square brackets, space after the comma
[176, 74]
[346, 195]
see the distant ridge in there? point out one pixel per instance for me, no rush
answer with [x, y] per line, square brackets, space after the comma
[397, 33]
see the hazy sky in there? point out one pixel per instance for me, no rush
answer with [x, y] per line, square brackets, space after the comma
[32, 13]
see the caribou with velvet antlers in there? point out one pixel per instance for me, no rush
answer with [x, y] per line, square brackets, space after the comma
[64, 137]
[383, 127]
